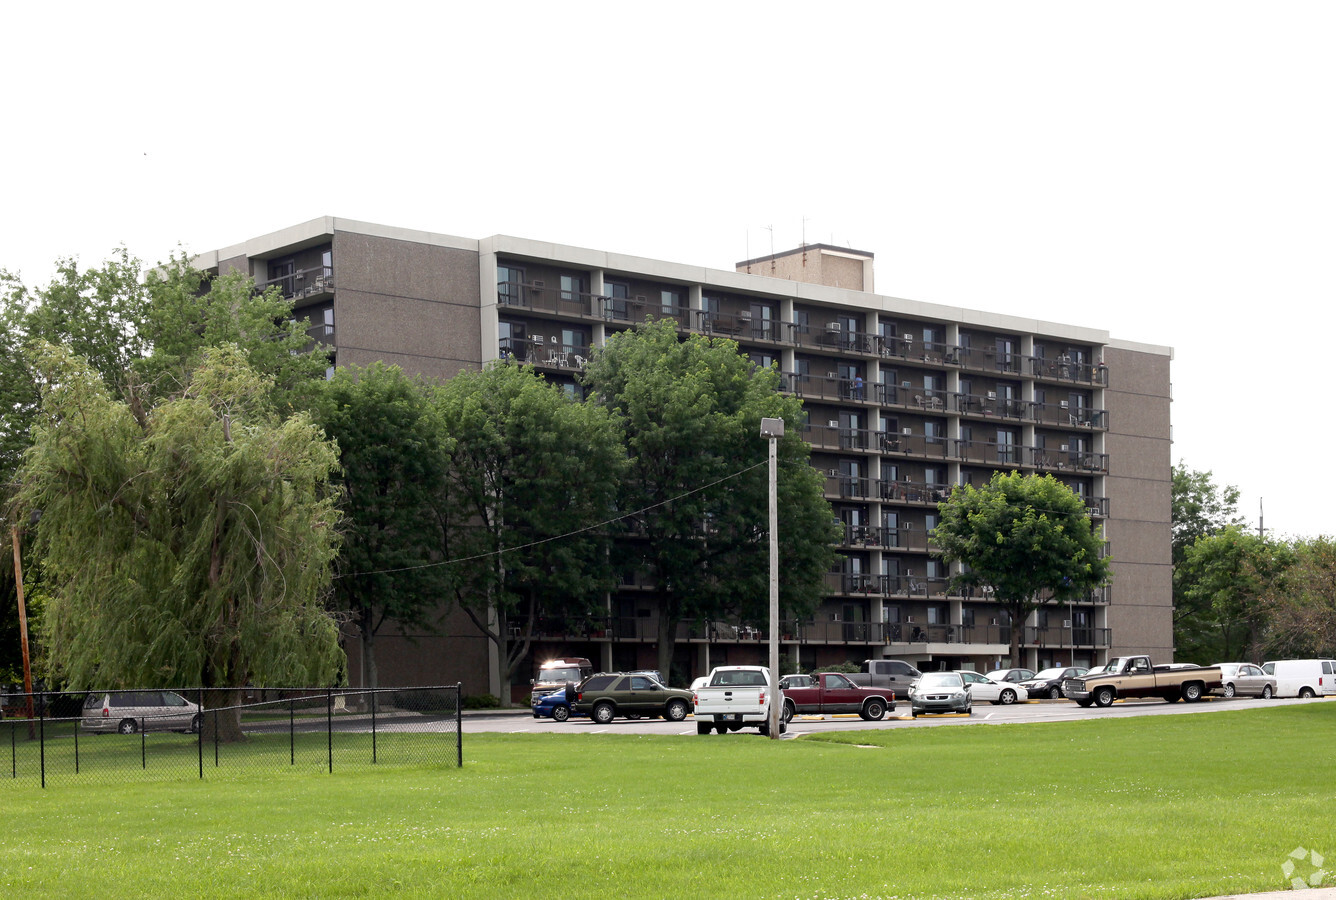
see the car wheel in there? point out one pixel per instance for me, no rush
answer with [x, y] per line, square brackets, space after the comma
[721, 729]
[1192, 692]
[1229, 691]
[561, 713]
[196, 723]
[128, 726]
[1266, 692]
[1054, 693]
[604, 713]
[676, 711]
[913, 713]
[786, 714]
[703, 728]
[1007, 697]
[632, 715]
[874, 711]
[1306, 693]
[1084, 703]
[1104, 697]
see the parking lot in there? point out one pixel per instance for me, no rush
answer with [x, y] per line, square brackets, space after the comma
[521, 721]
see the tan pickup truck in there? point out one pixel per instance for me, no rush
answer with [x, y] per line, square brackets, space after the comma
[1134, 676]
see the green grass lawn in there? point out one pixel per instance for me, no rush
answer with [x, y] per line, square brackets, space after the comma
[1163, 807]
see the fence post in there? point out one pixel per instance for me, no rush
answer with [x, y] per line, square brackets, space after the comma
[292, 733]
[143, 744]
[78, 723]
[329, 724]
[459, 723]
[41, 732]
[373, 727]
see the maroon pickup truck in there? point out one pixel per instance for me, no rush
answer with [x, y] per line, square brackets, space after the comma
[831, 692]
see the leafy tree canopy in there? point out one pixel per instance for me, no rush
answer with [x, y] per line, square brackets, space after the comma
[188, 544]
[696, 489]
[1028, 537]
[392, 455]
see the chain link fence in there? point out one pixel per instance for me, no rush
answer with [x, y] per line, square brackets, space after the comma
[160, 735]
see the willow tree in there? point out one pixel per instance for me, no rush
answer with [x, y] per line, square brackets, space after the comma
[1027, 537]
[185, 544]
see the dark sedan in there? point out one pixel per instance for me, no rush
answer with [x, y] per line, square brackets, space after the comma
[1048, 683]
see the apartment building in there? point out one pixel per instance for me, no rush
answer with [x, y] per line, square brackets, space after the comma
[904, 399]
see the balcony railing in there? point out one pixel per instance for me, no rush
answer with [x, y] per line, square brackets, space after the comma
[543, 353]
[1066, 370]
[930, 446]
[538, 296]
[848, 487]
[990, 453]
[1068, 636]
[1067, 460]
[304, 284]
[822, 387]
[1065, 416]
[991, 407]
[906, 491]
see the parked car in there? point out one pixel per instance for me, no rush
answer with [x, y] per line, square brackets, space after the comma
[605, 696]
[1303, 677]
[127, 712]
[1245, 680]
[1015, 676]
[995, 692]
[1048, 682]
[832, 693]
[939, 692]
[553, 706]
[889, 674]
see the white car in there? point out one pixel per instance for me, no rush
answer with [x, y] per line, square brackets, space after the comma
[996, 692]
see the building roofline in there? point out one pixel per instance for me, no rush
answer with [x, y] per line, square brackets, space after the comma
[319, 229]
[848, 252]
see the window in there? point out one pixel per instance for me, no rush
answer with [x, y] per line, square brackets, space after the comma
[763, 359]
[934, 431]
[617, 293]
[1006, 445]
[670, 302]
[509, 286]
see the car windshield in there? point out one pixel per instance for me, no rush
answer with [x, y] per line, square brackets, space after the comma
[934, 680]
[559, 676]
[1047, 674]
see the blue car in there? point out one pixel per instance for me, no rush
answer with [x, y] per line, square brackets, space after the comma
[553, 706]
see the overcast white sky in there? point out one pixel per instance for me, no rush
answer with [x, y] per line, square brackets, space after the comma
[1164, 171]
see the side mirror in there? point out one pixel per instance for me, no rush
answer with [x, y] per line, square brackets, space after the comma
[531, 682]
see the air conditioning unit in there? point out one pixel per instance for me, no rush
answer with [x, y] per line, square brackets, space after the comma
[907, 431]
[537, 337]
[1066, 623]
[833, 327]
[1092, 510]
[905, 385]
[1063, 448]
[834, 473]
[833, 423]
[641, 298]
[992, 621]
[1063, 404]
[992, 395]
[538, 285]
[909, 339]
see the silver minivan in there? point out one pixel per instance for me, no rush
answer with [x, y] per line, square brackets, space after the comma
[127, 712]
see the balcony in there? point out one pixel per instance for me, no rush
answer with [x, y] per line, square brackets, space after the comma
[821, 387]
[1064, 460]
[918, 492]
[832, 336]
[990, 360]
[1068, 371]
[1068, 636]
[837, 437]
[989, 406]
[539, 297]
[910, 444]
[639, 308]
[991, 453]
[847, 487]
[316, 283]
[906, 348]
[1064, 415]
[544, 352]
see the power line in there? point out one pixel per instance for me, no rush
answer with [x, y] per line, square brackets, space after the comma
[558, 537]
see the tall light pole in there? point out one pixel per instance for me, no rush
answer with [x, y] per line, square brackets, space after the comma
[772, 430]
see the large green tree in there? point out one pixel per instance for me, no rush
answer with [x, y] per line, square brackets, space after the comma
[189, 543]
[1232, 576]
[695, 494]
[392, 471]
[532, 475]
[1200, 508]
[1028, 537]
[1301, 607]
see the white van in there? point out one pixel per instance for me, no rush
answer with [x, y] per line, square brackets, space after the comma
[1303, 677]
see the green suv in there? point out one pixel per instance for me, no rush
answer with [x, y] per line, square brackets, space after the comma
[607, 695]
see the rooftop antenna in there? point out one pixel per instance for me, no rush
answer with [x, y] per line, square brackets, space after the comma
[804, 242]
[1261, 529]
[771, 229]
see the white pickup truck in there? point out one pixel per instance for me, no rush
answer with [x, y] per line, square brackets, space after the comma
[735, 697]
